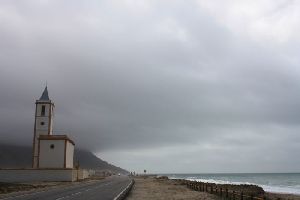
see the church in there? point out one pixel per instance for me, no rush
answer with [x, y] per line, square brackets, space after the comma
[52, 155]
[49, 151]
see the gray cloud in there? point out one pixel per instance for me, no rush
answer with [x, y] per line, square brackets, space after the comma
[150, 82]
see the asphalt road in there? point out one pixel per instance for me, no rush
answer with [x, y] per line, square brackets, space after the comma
[106, 189]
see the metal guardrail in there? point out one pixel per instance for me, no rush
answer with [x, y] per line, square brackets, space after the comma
[126, 191]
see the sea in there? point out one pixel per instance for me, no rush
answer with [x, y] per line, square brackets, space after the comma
[287, 183]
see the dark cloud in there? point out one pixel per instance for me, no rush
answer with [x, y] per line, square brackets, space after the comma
[149, 82]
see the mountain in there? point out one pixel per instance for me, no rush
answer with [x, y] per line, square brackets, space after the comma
[89, 161]
[13, 156]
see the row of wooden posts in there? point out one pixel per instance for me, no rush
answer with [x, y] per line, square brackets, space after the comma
[222, 192]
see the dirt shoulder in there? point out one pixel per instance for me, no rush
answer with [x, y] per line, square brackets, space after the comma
[163, 189]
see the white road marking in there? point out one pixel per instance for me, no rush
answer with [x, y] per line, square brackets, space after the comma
[116, 198]
[62, 198]
[77, 193]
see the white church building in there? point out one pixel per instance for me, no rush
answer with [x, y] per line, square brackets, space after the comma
[52, 155]
[49, 151]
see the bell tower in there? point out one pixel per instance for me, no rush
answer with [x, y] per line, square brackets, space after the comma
[43, 123]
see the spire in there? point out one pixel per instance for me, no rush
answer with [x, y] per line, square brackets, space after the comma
[45, 96]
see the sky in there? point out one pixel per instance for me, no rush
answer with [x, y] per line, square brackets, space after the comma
[172, 86]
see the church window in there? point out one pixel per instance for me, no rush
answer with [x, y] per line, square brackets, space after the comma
[42, 123]
[43, 110]
[52, 146]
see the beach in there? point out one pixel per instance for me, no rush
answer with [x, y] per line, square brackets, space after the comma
[150, 187]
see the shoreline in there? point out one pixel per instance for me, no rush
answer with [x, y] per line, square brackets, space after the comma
[276, 189]
[162, 185]
[264, 187]
[152, 188]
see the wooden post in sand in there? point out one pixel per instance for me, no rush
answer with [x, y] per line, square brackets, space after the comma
[211, 189]
[242, 195]
[251, 197]
[233, 195]
[226, 192]
[221, 192]
[206, 188]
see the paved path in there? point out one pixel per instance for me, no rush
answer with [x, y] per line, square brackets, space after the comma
[106, 189]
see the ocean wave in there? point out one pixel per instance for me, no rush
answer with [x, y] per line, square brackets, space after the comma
[219, 181]
[281, 189]
[268, 188]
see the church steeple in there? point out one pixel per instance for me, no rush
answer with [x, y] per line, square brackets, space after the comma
[45, 96]
[43, 123]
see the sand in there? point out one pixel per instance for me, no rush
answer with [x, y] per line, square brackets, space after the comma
[162, 189]
[148, 187]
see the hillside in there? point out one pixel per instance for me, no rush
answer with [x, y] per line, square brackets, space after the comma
[12, 156]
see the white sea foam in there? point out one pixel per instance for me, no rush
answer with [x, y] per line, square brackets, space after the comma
[219, 181]
[281, 189]
[295, 189]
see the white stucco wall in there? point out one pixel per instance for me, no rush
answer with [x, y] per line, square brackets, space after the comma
[40, 129]
[69, 155]
[43, 129]
[39, 109]
[85, 173]
[52, 158]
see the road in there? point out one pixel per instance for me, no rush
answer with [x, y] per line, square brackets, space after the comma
[106, 189]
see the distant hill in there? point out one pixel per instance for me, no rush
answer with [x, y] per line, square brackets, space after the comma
[12, 156]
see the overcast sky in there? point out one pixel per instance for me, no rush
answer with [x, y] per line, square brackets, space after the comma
[167, 86]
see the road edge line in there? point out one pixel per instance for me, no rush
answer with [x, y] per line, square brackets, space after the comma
[124, 192]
